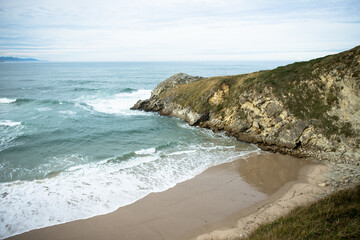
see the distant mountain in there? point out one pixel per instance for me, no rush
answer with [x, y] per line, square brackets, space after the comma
[14, 59]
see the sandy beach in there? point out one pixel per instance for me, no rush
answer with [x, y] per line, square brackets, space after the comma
[215, 199]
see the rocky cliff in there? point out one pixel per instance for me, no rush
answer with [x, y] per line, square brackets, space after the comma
[304, 109]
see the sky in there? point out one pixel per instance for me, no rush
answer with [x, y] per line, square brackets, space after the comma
[177, 30]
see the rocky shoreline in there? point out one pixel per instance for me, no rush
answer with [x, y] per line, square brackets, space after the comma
[341, 176]
[307, 109]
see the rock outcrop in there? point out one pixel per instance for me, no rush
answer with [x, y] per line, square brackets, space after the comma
[303, 109]
[155, 103]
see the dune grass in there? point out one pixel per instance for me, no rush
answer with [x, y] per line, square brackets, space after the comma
[337, 216]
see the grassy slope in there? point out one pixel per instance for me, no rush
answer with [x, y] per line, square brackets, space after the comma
[290, 84]
[335, 217]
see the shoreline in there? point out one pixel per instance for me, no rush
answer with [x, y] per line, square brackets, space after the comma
[215, 199]
[309, 188]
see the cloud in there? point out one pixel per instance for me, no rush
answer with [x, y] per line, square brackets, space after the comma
[177, 30]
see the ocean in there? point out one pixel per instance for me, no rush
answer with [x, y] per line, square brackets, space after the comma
[71, 148]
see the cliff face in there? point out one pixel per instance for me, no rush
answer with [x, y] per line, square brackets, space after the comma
[304, 109]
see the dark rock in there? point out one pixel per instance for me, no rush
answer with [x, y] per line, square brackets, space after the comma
[273, 110]
[140, 104]
[290, 137]
[296, 109]
[171, 82]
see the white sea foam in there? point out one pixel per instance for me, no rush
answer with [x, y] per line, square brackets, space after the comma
[87, 190]
[67, 112]
[43, 109]
[119, 103]
[9, 130]
[7, 100]
[145, 151]
[9, 123]
[181, 152]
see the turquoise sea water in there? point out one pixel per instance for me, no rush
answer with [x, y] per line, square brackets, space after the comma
[70, 148]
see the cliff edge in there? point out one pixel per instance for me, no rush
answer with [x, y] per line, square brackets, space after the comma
[304, 109]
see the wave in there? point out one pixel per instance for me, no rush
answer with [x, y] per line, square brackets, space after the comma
[122, 158]
[146, 151]
[27, 100]
[131, 155]
[84, 89]
[9, 123]
[128, 90]
[23, 100]
[181, 152]
[43, 109]
[55, 101]
[7, 100]
[79, 81]
[67, 112]
[10, 131]
[92, 189]
[119, 104]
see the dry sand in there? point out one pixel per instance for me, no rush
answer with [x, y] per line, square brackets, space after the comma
[310, 187]
[215, 199]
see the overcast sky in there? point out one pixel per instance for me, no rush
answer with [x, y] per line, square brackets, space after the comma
[156, 30]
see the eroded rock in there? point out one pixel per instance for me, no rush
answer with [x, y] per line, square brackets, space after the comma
[316, 114]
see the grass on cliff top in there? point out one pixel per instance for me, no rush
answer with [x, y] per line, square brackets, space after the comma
[299, 87]
[196, 94]
[337, 216]
[290, 84]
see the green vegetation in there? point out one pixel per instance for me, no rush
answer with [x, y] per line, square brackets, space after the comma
[291, 86]
[335, 217]
[298, 86]
[194, 95]
[197, 94]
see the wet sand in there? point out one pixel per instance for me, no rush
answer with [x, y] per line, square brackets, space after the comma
[215, 199]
